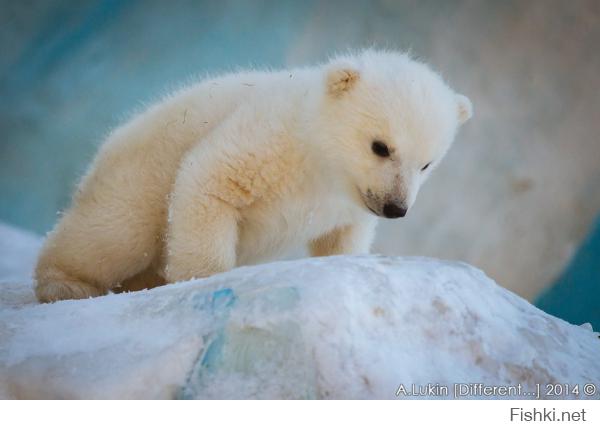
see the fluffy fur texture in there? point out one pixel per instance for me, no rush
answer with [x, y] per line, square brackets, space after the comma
[238, 169]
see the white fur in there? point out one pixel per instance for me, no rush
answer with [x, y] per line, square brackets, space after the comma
[238, 169]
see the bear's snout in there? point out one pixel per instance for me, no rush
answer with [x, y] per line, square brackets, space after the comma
[392, 210]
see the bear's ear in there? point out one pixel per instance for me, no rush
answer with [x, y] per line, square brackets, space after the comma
[465, 108]
[340, 80]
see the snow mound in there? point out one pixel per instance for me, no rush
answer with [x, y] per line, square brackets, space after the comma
[336, 327]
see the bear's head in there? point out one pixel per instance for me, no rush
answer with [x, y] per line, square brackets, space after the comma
[393, 119]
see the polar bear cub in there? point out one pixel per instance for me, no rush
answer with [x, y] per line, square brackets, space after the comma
[241, 168]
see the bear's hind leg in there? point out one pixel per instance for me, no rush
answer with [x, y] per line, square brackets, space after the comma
[94, 248]
[55, 285]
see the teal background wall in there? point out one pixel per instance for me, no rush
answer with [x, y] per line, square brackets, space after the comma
[518, 193]
[575, 296]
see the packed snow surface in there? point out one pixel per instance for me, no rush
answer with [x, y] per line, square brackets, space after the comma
[336, 327]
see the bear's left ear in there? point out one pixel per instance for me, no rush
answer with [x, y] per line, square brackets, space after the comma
[341, 79]
[465, 108]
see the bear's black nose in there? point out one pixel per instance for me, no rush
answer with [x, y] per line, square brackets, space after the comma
[391, 210]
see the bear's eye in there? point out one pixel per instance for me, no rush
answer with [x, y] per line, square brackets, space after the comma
[380, 148]
[425, 166]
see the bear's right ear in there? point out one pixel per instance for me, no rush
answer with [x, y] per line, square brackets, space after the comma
[464, 107]
[340, 80]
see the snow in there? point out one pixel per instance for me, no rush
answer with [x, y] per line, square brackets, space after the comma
[336, 327]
